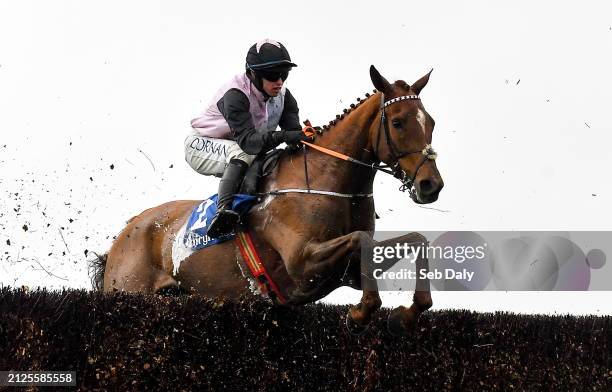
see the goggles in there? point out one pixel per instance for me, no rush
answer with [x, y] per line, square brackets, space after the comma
[273, 76]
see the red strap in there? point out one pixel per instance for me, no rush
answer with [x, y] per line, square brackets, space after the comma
[258, 270]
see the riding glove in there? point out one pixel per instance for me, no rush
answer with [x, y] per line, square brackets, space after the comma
[291, 137]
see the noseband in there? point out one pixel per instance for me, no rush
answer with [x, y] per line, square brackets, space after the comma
[427, 151]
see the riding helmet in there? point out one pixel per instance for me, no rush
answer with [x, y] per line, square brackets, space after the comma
[268, 54]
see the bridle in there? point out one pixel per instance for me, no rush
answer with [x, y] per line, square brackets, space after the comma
[427, 152]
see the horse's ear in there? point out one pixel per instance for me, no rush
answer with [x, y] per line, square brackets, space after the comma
[419, 84]
[379, 82]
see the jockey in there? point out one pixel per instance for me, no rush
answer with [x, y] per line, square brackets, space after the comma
[241, 122]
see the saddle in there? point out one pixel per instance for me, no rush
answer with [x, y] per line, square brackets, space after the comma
[262, 166]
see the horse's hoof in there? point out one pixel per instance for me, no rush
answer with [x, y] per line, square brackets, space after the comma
[354, 328]
[401, 321]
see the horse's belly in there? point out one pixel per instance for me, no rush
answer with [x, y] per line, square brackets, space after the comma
[214, 271]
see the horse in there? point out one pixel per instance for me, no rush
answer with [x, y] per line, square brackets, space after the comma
[309, 237]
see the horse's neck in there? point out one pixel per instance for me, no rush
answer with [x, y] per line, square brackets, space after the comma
[350, 136]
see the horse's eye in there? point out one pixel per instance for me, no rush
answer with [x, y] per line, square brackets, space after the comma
[396, 124]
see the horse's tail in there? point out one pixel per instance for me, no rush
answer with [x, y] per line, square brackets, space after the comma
[96, 268]
[97, 265]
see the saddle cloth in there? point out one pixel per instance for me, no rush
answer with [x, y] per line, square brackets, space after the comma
[196, 230]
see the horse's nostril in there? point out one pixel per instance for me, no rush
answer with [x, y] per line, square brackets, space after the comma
[426, 187]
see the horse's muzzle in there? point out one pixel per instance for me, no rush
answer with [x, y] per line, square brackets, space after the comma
[427, 190]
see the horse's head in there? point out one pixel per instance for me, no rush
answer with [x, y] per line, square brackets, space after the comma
[402, 139]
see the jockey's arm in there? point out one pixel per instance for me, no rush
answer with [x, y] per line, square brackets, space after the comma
[235, 109]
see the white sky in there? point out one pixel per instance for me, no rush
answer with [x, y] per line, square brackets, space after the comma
[116, 78]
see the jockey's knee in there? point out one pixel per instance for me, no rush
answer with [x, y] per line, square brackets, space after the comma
[236, 153]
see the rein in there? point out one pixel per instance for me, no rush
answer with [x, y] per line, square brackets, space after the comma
[336, 154]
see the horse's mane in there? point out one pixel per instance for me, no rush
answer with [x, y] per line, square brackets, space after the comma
[344, 113]
[353, 106]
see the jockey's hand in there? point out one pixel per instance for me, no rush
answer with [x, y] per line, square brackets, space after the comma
[294, 137]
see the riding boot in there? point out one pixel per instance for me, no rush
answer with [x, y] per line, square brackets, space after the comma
[224, 220]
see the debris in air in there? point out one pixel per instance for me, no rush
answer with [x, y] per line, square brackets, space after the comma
[149, 159]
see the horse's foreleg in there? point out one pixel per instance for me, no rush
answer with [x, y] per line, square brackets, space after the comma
[402, 319]
[360, 315]
[321, 270]
[324, 268]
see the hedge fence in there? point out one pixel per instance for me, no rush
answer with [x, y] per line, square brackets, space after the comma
[136, 342]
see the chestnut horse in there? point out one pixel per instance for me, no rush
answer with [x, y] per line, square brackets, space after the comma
[309, 243]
